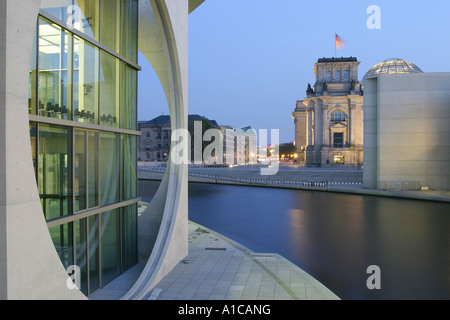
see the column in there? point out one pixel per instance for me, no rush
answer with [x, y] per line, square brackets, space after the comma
[352, 123]
[300, 116]
[309, 134]
[325, 125]
[309, 128]
[318, 126]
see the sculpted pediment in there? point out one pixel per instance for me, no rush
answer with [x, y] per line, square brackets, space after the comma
[338, 125]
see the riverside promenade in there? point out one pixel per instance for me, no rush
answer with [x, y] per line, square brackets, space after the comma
[291, 177]
[218, 268]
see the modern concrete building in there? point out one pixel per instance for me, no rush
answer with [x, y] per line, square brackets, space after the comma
[68, 73]
[406, 131]
[329, 122]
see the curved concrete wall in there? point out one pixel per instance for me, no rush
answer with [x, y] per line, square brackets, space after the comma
[163, 227]
[29, 264]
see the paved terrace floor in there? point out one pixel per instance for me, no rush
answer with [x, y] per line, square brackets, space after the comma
[218, 268]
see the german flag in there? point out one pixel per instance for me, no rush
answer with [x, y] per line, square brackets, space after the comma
[339, 42]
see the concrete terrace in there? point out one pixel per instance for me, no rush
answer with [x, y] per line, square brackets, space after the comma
[218, 268]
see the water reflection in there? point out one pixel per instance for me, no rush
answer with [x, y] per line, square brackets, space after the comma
[335, 237]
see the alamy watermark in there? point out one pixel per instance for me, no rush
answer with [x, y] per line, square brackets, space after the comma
[75, 18]
[74, 280]
[374, 280]
[374, 20]
[226, 147]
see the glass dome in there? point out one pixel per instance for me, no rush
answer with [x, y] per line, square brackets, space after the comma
[390, 66]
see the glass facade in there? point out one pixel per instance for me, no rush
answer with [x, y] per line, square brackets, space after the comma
[110, 22]
[86, 82]
[83, 119]
[54, 174]
[54, 82]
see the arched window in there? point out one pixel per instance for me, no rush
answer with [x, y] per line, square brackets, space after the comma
[346, 75]
[337, 75]
[329, 75]
[338, 116]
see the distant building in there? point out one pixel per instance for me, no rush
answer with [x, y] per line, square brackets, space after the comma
[156, 134]
[228, 141]
[329, 122]
[245, 145]
[154, 142]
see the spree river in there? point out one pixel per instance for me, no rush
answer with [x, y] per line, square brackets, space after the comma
[335, 237]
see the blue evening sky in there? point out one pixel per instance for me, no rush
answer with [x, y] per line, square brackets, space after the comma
[251, 60]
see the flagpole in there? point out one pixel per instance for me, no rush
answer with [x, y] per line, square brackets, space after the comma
[335, 49]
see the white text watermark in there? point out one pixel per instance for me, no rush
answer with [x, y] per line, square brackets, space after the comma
[226, 147]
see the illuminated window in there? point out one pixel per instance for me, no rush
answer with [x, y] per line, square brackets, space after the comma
[339, 159]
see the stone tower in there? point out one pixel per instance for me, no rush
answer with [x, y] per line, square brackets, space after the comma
[329, 121]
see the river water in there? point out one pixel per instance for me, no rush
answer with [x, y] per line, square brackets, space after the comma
[335, 237]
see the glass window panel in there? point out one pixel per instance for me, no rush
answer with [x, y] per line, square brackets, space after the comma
[54, 174]
[109, 168]
[63, 241]
[338, 115]
[81, 252]
[93, 164]
[129, 154]
[86, 82]
[86, 170]
[129, 231]
[338, 75]
[110, 23]
[87, 19]
[33, 135]
[58, 8]
[55, 84]
[338, 140]
[110, 240]
[129, 30]
[346, 75]
[109, 90]
[128, 96]
[80, 171]
[94, 258]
